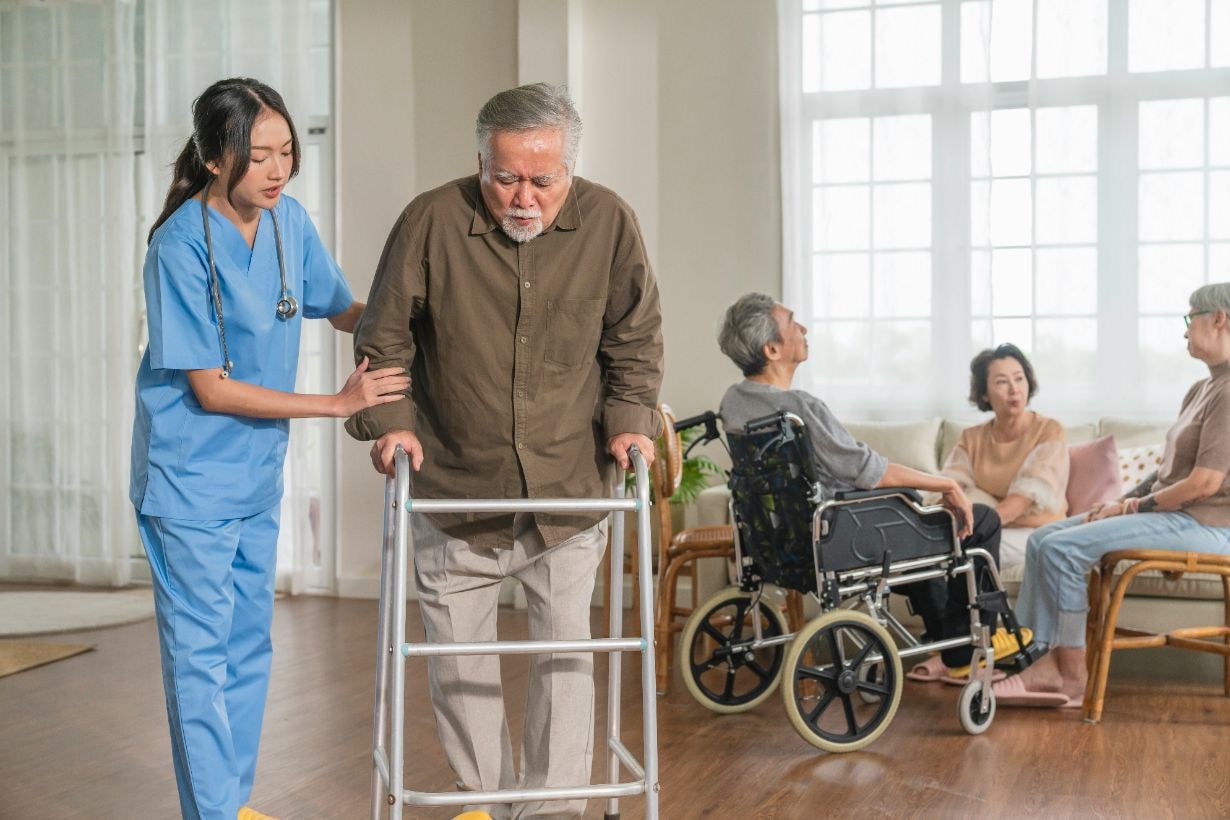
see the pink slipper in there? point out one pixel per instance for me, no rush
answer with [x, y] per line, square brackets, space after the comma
[1012, 692]
[932, 669]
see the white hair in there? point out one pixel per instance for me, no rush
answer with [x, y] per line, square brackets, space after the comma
[1215, 296]
[529, 108]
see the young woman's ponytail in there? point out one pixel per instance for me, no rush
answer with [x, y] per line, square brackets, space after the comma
[189, 176]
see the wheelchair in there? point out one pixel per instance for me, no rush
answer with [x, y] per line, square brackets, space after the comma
[840, 674]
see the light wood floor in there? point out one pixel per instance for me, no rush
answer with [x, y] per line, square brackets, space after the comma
[87, 738]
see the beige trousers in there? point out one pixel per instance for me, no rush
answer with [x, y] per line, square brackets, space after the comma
[458, 589]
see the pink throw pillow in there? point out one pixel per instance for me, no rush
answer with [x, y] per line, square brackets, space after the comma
[1093, 474]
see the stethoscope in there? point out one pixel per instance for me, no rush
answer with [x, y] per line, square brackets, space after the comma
[287, 305]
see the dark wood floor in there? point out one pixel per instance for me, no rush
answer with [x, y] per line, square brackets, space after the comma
[86, 738]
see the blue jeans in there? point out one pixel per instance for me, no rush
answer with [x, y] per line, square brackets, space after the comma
[1053, 600]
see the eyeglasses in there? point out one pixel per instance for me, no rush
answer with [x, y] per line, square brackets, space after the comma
[1187, 317]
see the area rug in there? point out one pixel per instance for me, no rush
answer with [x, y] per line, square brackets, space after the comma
[18, 656]
[48, 611]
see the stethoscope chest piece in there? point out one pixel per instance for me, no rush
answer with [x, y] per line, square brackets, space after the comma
[288, 306]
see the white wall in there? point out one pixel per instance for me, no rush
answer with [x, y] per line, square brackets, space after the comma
[680, 112]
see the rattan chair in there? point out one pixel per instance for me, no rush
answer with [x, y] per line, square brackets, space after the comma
[1106, 591]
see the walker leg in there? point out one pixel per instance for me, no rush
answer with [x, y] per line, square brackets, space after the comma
[649, 680]
[383, 631]
[614, 659]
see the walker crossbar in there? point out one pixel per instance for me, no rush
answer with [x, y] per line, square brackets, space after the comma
[512, 505]
[419, 650]
[392, 650]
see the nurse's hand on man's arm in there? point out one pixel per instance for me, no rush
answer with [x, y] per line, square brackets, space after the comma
[366, 388]
[385, 447]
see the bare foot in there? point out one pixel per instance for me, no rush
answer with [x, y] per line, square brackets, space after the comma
[1044, 675]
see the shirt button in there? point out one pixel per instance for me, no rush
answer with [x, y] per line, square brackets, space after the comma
[520, 445]
[523, 340]
[520, 394]
[527, 285]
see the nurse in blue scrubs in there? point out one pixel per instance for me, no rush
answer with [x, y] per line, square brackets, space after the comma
[233, 269]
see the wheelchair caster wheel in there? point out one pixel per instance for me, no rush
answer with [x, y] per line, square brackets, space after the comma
[843, 681]
[969, 707]
[719, 667]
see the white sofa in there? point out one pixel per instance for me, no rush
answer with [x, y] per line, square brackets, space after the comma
[1155, 603]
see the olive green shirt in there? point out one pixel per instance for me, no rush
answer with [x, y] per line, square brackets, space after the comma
[524, 358]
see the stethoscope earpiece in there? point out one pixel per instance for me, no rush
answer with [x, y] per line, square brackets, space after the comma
[287, 306]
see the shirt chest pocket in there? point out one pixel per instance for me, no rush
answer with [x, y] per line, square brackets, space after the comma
[573, 329]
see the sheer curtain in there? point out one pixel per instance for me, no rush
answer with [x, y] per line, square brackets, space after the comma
[69, 265]
[94, 106]
[962, 173]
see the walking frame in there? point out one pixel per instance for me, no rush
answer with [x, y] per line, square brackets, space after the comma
[392, 651]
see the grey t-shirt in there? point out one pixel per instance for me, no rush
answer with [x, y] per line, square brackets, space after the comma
[841, 462]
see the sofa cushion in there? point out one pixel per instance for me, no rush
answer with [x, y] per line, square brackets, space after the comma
[1094, 476]
[909, 443]
[1135, 463]
[1133, 432]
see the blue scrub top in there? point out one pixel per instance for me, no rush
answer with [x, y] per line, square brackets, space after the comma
[186, 462]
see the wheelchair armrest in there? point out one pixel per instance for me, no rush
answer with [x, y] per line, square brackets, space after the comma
[879, 492]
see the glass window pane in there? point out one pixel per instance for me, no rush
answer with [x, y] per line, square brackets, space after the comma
[842, 286]
[1172, 134]
[903, 147]
[1219, 37]
[841, 352]
[837, 4]
[902, 353]
[1171, 206]
[1165, 35]
[841, 151]
[1067, 139]
[1071, 38]
[1000, 36]
[1065, 351]
[1168, 275]
[1219, 263]
[903, 284]
[842, 220]
[908, 47]
[1000, 143]
[1067, 210]
[810, 53]
[1011, 283]
[1067, 281]
[1219, 131]
[981, 336]
[902, 215]
[980, 284]
[845, 50]
[1000, 213]
[1219, 205]
[1019, 332]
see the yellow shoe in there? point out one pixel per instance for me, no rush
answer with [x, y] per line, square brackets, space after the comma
[473, 815]
[246, 813]
[1003, 644]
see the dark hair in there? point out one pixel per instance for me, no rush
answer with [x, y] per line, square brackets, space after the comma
[981, 364]
[222, 120]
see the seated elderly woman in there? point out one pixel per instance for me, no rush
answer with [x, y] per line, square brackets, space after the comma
[1016, 462]
[762, 338]
[1184, 506]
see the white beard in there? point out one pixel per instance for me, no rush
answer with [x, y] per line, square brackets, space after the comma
[521, 233]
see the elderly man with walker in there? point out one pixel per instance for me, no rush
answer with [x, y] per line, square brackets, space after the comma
[523, 304]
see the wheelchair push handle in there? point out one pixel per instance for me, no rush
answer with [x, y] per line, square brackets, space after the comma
[710, 421]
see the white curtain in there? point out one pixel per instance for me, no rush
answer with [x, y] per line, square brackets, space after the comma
[69, 267]
[962, 173]
[95, 106]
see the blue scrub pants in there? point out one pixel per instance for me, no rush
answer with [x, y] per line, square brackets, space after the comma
[213, 593]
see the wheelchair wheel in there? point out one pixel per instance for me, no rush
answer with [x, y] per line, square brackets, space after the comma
[969, 707]
[719, 668]
[843, 681]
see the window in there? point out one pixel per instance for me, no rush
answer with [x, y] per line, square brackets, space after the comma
[964, 173]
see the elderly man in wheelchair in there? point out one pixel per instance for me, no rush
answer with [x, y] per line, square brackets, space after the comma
[818, 512]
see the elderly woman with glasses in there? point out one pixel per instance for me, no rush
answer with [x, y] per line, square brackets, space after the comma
[1016, 461]
[1184, 506]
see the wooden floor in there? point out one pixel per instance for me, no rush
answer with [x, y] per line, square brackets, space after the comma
[87, 738]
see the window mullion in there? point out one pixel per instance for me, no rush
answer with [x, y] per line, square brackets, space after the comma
[1118, 350]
